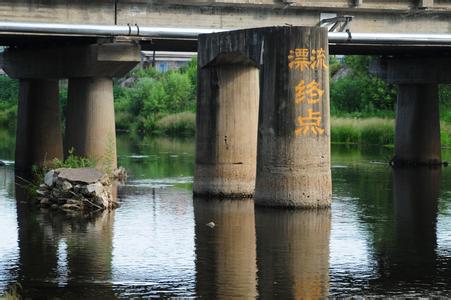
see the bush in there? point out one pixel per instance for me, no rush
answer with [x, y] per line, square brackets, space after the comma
[154, 95]
[360, 91]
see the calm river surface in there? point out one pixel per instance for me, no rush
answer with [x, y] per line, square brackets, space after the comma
[388, 234]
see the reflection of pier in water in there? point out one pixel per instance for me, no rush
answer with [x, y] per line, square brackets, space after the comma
[402, 219]
[60, 253]
[290, 249]
[226, 256]
[293, 253]
[412, 258]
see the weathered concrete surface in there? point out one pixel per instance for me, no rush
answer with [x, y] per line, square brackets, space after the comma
[227, 251]
[90, 125]
[417, 136]
[84, 175]
[58, 11]
[38, 137]
[293, 160]
[293, 251]
[226, 139]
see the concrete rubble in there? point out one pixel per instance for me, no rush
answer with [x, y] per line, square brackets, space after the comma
[78, 189]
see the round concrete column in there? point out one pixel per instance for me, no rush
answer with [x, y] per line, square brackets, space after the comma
[226, 138]
[293, 161]
[417, 137]
[38, 137]
[90, 125]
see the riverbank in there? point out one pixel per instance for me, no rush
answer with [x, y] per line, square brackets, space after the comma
[344, 130]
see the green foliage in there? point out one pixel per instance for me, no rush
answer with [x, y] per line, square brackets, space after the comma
[445, 102]
[445, 134]
[334, 65]
[154, 95]
[361, 92]
[73, 161]
[9, 90]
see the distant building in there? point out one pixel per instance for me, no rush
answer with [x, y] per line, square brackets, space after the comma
[164, 61]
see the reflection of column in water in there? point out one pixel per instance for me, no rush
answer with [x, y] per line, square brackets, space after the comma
[415, 194]
[87, 252]
[293, 253]
[90, 249]
[225, 254]
[37, 249]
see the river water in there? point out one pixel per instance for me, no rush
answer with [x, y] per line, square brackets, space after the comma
[388, 234]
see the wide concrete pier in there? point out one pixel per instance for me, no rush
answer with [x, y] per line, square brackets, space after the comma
[293, 162]
[90, 127]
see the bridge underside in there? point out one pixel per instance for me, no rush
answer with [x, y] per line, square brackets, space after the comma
[369, 15]
[375, 16]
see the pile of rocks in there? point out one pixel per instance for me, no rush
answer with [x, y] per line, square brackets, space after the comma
[76, 189]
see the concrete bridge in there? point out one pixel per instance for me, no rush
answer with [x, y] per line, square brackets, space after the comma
[98, 40]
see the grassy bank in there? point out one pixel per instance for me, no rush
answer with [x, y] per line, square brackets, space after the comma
[374, 131]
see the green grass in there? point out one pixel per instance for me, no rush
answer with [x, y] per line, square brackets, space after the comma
[374, 131]
[369, 131]
[178, 124]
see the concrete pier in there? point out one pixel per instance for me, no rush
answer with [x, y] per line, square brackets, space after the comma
[90, 127]
[417, 135]
[293, 157]
[226, 140]
[293, 160]
[90, 124]
[38, 136]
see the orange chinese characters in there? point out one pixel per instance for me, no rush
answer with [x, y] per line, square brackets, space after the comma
[312, 92]
[318, 60]
[310, 123]
[300, 92]
[299, 59]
